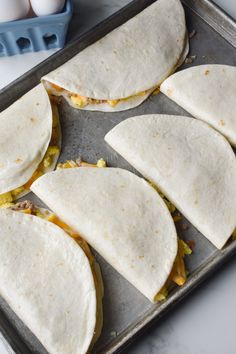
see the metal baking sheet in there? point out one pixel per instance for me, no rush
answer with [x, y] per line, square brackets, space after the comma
[126, 311]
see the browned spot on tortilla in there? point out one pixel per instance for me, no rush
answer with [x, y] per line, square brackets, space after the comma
[114, 51]
[140, 257]
[169, 92]
[207, 72]
[155, 134]
[222, 122]
[18, 160]
[196, 201]
[33, 120]
[37, 104]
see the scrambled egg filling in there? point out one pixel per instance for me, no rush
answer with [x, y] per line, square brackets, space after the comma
[82, 101]
[79, 163]
[178, 274]
[50, 156]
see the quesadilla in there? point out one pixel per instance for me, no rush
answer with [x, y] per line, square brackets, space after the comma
[50, 281]
[121, 216]
[191, 163]
[121, 70]
[30, 142]
[207, 92]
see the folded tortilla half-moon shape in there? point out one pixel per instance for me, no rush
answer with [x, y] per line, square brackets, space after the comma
[30, 140]
[208, 92]
[47, 280]
[121, 216]
[123, 68]
[191, 163]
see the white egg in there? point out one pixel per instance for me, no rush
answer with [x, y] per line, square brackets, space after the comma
[11, 10]
[47, 7]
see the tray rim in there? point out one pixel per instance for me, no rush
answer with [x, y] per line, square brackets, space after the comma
[215, 17]
[225, 26]
[218, 259]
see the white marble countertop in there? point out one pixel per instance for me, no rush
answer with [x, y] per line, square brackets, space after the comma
[205, 322]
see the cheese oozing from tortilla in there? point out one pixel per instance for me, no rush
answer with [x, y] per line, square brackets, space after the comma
[82, 101]
[63, 321]
[132, 60]
[27, 207]
[47, 164]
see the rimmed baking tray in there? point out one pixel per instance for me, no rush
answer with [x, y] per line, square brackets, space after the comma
[126, 311]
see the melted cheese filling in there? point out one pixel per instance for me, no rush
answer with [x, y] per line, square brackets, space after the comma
[82, 101]
[49, 158]
[47, 215]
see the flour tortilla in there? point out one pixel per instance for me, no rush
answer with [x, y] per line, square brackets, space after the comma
[121, 216]
[208, 92]
[46, 279]
[25, 133]
[135, 57]
[191, 163]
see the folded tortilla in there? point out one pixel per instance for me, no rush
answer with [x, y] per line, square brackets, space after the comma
[122, 69]
[47, 280]
[121, 216]
[191, 163]
[29, 132]
[207, 92]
